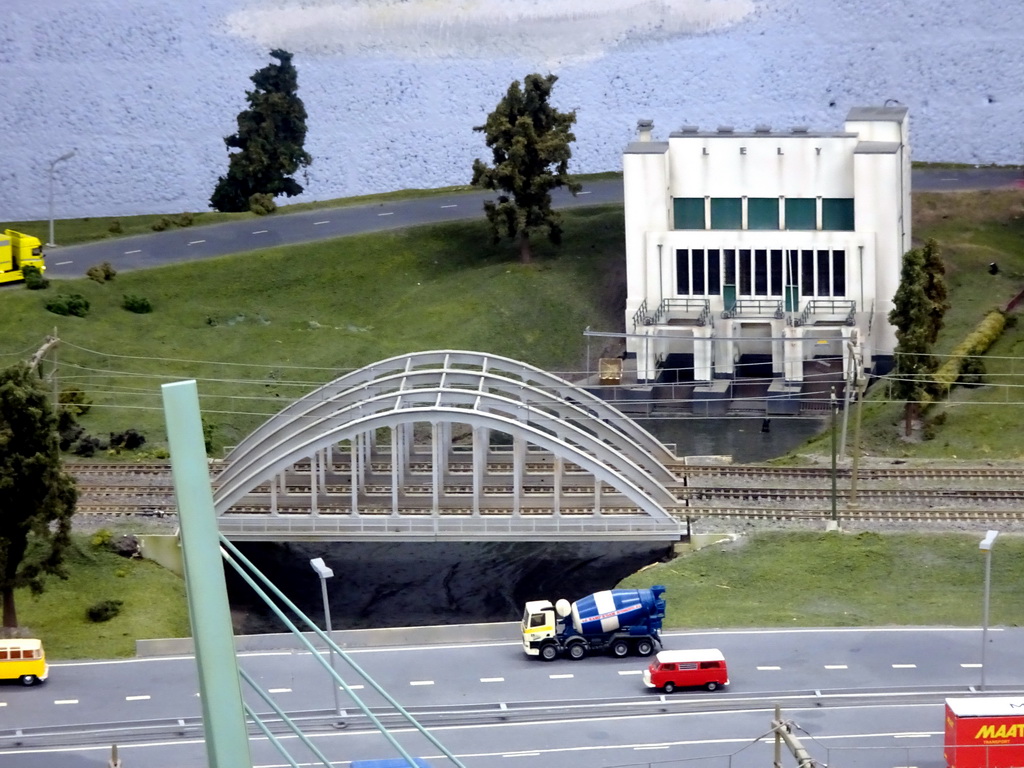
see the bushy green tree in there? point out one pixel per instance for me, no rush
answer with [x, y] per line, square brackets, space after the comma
[37, 497]
[919, 305]
[270, 139]
[529, 140]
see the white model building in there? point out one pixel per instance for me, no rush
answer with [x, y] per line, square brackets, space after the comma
[767, 247]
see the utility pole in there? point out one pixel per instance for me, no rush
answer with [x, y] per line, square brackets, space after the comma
[784, 733]
[833, 406]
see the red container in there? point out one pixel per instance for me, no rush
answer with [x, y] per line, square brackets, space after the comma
[985, 732]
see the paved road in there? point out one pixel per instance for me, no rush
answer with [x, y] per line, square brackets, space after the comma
[862, 687]
[178, 245]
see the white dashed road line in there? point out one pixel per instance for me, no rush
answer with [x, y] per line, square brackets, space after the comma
[280, 690]
[560, 677]
[136, 698]
[421, 682]
[318, 223]
[196, 242]
[129, 253]
[62, 263]
[388, 213]
[453, 205]
[971, 666]
[631, 671]
[66, 701]
[836, 666]
[584, 192]
[768, 669]
[261, 231]
[904, 666]
[492, 679]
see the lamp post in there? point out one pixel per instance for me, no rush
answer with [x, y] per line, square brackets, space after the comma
[325, 573]
[53, 164]
[986, 547]
[834, 406]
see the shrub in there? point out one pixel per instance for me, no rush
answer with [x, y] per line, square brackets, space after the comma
[185, 219]
[976, 343]
[104, 610]
[130, 439]
[87, 446]
[140, 305]
[161, 224]
[101, 273]
[972, 372]
[101, 538]
[71, 304]
[262, 203]
[74, 401]
[34, 279]
[115, 227]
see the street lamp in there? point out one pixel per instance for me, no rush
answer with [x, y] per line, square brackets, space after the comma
[53, 164]
[986, 547]
[325, 573]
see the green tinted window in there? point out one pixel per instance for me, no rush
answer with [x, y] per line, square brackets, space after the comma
[726, 213]
[763, 213]
[837, 213]
[689, 212]
[801, 213]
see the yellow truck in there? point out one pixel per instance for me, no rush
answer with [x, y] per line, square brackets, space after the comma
[18, 251]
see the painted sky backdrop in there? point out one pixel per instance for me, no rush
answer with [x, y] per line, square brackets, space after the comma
[145, 91]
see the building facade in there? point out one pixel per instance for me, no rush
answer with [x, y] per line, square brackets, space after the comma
[746, 250]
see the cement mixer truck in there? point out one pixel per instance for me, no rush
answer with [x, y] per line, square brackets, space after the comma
[616, 621]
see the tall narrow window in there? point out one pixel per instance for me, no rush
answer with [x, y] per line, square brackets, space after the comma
[688, 212]
[775, 274]
[697, 267]
[761, 272]
[838, 273]
[824, 283]
[745, 283]
[682, 272]
[730, 266]
[714, 272]
[807, 273]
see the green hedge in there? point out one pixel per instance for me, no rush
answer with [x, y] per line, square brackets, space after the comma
[977, 342]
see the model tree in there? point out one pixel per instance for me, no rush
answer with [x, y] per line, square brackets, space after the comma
[270, 139]
[529, 140]
[917, 314]
[37, 497]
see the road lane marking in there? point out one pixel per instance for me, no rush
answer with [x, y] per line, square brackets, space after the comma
[904, 666]
[583, 193]
[389, 213]
[421, 682]
[954, 178]
[62, 263]
[196, 242]
[912, 736]
[261, 231]
[453, 205]
[66, 701]
[318, 223]
[768, 669]
[352, 688]
[836, 666]
[3, 703]
[631, 671]
[521, 754]
[129, 253]
[136, 698]
[492, 679]
[658, 746]
[560, 677]
[971, 666]
[280, 690]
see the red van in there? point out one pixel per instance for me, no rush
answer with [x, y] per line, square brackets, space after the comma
[702, 668]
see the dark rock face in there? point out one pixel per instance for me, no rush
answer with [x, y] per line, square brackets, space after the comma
[424, 583]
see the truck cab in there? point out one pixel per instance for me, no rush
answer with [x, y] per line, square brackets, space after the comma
[18, 251]
[539, 625]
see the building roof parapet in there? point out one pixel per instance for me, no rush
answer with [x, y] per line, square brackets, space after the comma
[893, 114]
[877, 148]
[647, 148]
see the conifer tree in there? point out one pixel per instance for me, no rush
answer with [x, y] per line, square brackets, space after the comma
[530, 142]
[270, 139]
[37, 497]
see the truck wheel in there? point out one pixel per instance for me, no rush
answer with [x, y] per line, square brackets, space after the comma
[620, 648]
[644, 648]
[549, 652]
[28, 679]
[668, 687]
[577, 651]
[712, 686]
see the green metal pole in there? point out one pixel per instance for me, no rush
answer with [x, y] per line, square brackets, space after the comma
[227, 739]
[835, 514]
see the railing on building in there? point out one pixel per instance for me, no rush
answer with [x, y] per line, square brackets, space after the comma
[846, 307]
[697, 309]
[755, 308]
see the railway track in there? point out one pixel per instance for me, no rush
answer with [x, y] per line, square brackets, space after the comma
[720, 491]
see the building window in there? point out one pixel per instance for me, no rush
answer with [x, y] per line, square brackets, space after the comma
[730, 266]
[801, 213]
[689, 212]
[763, 213]
[698, 272]
[745, 272]
[683, 272]
[838, 273]
[837, 213]
[760, 272]
[823, 273]
[775, 289]
[697, 286]
[824, 283]
[714, 273]
[726, 213]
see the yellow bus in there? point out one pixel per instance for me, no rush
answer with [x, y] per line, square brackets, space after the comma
[23, 660]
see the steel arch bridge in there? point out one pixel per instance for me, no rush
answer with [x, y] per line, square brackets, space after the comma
[349, 460]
